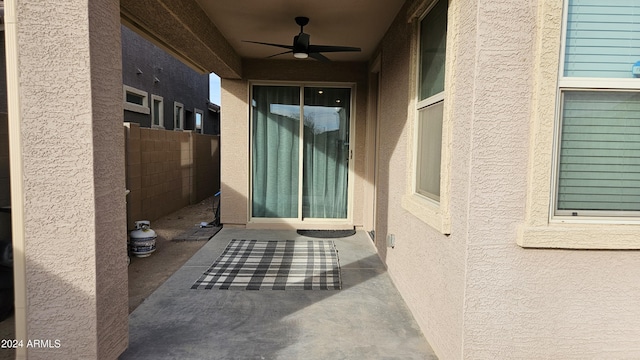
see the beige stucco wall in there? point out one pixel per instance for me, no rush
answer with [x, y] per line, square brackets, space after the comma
[427, 267]
[67, 177]
[476, 294]
[234, 152]
[570, 304]
[235, 126]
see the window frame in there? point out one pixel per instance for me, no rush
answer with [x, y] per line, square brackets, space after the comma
[178, 124]
[300, 221]
[129, 106]
[197, 111]
[435, 214]
[589, 84]
[160, 99]
[422, 106]
[540, 229]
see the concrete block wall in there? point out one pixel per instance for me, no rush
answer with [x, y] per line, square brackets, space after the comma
[168, 170]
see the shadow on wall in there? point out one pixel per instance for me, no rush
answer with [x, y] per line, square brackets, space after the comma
[168, 170]
[394, 103]
[74, 309]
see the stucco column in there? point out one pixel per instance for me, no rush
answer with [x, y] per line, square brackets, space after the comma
[67, 178]
[234, 152]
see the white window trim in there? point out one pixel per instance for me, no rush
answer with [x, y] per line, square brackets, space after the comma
[540, 229]
[178, 124]
[434, 214]
[430, 100]
[197, 111]
[144, 108]
[591, 85]
[564, 216]
[161, 112]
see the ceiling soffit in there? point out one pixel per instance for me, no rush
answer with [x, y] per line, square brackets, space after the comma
[357, 23]
[208, 35]
[184, 30]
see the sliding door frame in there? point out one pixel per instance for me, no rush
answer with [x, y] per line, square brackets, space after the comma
[300, 222]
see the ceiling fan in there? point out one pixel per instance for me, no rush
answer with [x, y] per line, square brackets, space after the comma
[301, 48]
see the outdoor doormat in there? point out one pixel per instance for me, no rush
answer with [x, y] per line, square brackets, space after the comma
[274, 265]
[327, 234]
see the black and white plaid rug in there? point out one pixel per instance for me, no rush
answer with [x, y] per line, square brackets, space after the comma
[276, 265]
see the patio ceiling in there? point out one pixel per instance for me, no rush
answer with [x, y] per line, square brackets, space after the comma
[208, 35]
[359, 23]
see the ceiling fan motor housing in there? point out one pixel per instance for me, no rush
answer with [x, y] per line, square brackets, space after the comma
[301, 43]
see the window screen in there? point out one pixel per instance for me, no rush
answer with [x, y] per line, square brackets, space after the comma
[599, 167]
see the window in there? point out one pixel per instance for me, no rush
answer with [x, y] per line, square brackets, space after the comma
[429, 168]
[595, 96]
[598, 156]
[135, 100]
[198, 121]
[433, 34]
[157, 111]
[178, 116]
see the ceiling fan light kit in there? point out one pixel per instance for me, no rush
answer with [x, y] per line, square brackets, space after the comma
[301, 47]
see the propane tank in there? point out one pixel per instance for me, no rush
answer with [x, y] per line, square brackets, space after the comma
[143, 239]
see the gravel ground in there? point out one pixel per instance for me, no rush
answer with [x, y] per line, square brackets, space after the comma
[147, 274]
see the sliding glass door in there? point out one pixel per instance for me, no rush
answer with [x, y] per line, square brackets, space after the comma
[300, 152]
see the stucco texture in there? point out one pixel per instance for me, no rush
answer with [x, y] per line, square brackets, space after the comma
[569, 304]
[476, 294]
[73, 162]
[474, 291]
[234, 152]
[426, 266]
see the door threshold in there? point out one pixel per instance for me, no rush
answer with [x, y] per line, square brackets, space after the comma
[271, 225]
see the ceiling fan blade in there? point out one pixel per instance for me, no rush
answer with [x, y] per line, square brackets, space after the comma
[270, 44]
[301, 47]
[329, 48]
[318, 56]
[282, 53]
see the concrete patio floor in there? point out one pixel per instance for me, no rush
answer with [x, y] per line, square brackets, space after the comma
[367, 319]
